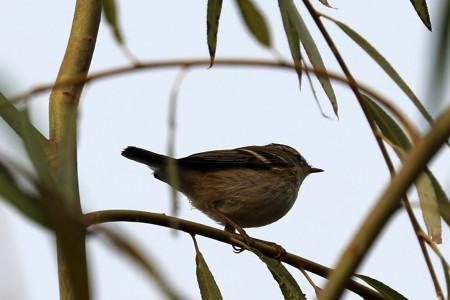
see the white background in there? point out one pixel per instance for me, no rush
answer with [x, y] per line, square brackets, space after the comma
[218, 108]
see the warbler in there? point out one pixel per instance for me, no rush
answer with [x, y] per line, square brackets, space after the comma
[251, 186]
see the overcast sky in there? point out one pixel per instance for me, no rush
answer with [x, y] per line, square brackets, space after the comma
[218, 108]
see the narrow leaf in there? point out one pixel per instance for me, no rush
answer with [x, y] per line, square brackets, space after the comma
[422, 11]
[208, 286]
[310, 48]
[429, 206]
[428, 195]
[110, 11]
[442, 199]
[25, 203]
[12, 116]
[255, 22]
[289, 287]
[36, 151]
[386, 291]
[325, 2]
[293, 40]
[386, 66]
[437, 92]
[212, 26]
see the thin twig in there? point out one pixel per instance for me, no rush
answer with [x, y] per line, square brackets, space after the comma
[388, 104]
[99, 217]
[333, 290]
[317, 289]
[387, 204]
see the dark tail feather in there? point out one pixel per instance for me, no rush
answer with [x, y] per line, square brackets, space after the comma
[154, 160]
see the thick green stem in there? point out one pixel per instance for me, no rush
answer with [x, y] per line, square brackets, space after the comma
[72, 265]
[386, 205]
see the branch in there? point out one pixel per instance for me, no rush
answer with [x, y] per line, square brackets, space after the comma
[192, 228]
[163, 64]
[414, 165]
[72, 265]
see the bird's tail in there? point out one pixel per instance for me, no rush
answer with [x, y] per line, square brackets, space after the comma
[151, 159]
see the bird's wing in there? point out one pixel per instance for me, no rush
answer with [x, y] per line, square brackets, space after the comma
[246, 157]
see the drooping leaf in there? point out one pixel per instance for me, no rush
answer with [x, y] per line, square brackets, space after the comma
[428, 195]
[388, 126]
[25, 203]
[440, 57]
[325, 2]
[293, 41]
[255, 22]
[429, 206]
[288, 286]
[442, 199]
[36, 151]
[208, 286]
[311, 49]
[12, 116]
[386, 66]
[422, 11]
[110, 12]
[388, 292]
[212, 26]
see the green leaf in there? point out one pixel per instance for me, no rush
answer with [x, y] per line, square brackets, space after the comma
[429, 206]
[442, 199]
[25, 203]
[255, 22]
[428, 195]
[208, 286]
[36, 151]
[293, 40]
[212, 26]
[12, 116]
[386, 66]
[388, 127]
[440, 56]
[386, 291]
[447, 277]
[310, 48]
[422, 11]
[289, 287]
[110, 12]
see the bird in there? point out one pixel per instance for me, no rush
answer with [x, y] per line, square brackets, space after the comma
[250, 186]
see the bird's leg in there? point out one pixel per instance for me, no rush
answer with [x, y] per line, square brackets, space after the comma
[231, 226]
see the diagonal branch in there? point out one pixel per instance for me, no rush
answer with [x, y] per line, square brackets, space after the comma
[414, 165]
[99, 217]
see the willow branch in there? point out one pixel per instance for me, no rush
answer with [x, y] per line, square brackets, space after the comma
[72, 264]
[414, 165]
[193, 228]
[316, 16]
[260, 63]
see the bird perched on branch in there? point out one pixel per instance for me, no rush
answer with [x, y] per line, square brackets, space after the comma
[244, 187]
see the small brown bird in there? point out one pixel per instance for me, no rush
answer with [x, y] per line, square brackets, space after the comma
[245, 187]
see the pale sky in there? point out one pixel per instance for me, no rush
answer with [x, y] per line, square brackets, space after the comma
[218, 108]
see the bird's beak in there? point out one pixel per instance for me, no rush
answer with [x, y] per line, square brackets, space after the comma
[315, 170]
